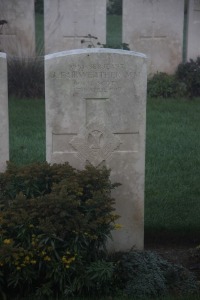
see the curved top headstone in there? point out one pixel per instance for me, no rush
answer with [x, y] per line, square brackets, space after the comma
[94, 50]
[155, 27]
[17, 33]
[2, 54]
[95, 114]
[74, 24]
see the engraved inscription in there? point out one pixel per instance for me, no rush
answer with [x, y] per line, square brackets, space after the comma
[95, 143]
[94, 78]
[85, 74]
[153, 35]
[90, 75]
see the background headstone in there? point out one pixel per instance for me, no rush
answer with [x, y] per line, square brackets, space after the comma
[155, 27]
[68, 22]
[17, 37]
[193, 36]
[4, 133]
[95, 113]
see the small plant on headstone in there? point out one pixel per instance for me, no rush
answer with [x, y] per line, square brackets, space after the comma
[88, 39]
[123, 46]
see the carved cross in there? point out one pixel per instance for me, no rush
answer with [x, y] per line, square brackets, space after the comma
[95, 142]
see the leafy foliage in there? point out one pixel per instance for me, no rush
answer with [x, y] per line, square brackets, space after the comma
[165, 86]
[54, 228]
[189, 74]
[39, 6]
[100, 275]
[32, 180]
[26, 77]
[115, 7]
[54, 224]
[145, 274]
[123, 46]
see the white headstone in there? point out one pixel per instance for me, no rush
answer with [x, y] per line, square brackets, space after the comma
[17, 36]
[155, 27]
[4, 133]
[193, 38]
[95, 113]
[69, 22]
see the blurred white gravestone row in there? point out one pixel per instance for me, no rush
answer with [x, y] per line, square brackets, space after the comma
[155, 27]
[95, 114]
[69, 22]
[4, 132]
[17, 27]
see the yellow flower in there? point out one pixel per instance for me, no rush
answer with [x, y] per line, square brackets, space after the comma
[27, 258]
[33, 262]
[7, 241]
[67, 266]
[118, 226]
[47, 258]
[68, 261]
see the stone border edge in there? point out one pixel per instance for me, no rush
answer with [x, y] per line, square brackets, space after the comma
[94, 50]
[3, 55]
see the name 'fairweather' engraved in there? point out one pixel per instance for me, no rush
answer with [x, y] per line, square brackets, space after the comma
[95, 143]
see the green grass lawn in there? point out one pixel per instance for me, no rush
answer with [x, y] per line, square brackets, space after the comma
[114, 31]
[172, 169]
[27, 130]
[172, 206]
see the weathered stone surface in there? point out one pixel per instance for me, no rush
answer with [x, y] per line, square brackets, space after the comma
[4, 133]
[68, 22]
[95, 113]
[155, 27]
[17, 36]
[193, 38]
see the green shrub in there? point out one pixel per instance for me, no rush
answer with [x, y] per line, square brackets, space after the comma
[165, 86]
[26, 77]
[115, 7]
[189, 74]
[39, 6]
[146, 274]
[52, 244]
[32, 180]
